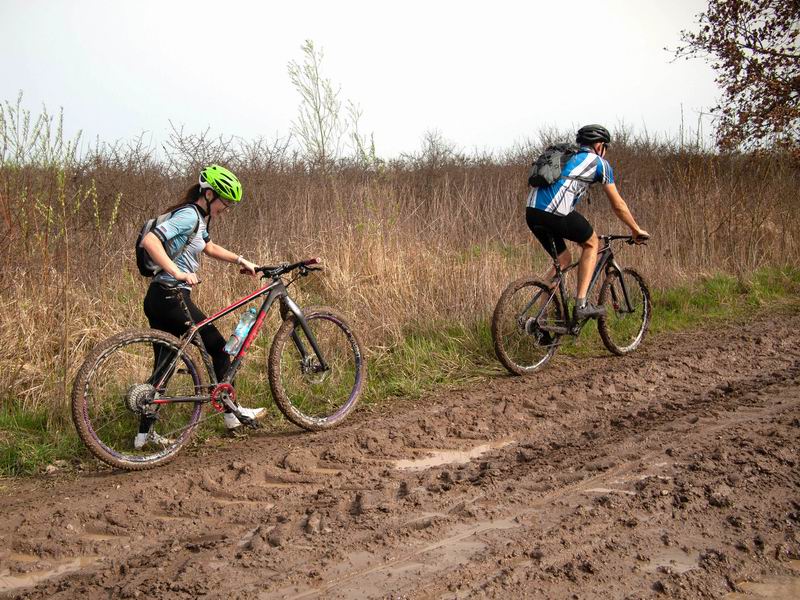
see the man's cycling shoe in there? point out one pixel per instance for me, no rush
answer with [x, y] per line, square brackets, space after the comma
[589, 311]
[142, 439]
[231, 422]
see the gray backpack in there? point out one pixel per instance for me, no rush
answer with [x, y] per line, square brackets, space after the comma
[547, 169]
[146, 266]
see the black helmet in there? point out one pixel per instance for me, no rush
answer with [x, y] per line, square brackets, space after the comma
[591, 134]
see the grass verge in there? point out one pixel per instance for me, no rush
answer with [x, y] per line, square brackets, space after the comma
[443, 357]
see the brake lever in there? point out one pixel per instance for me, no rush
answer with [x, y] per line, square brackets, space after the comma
[304, 270]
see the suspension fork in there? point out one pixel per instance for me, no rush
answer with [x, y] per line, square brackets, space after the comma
[290, 306]
[614, 266]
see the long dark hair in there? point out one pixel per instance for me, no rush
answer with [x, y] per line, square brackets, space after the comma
[193, 194]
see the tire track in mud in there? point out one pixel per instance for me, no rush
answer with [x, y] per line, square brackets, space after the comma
[607, 482]
[572, 478]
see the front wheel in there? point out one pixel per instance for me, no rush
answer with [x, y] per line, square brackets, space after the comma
[628, 310]
[114, 399]
[525, 326]
[310, 394]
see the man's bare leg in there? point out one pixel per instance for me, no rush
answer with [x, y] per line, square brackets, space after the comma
[586, 265]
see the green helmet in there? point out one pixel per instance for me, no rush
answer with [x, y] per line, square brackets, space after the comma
[222, 181]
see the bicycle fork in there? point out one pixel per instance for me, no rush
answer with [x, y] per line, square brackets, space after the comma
[289, 305]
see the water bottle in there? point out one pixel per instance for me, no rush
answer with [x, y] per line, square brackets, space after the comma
[240, 332]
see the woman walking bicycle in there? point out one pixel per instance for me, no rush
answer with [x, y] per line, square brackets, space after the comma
[141, 394]
[186, 236]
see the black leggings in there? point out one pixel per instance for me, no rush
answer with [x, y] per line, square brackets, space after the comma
[164, 312]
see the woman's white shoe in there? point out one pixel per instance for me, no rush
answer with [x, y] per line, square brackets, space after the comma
[143, 439]
[231, 422]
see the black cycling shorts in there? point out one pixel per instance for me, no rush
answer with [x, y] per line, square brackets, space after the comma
[548, 226]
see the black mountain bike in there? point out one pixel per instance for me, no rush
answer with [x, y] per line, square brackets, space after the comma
[531, 316]
[316, 369]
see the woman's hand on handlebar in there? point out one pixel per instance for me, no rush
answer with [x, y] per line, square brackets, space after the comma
[190, 278]
[247, 268]
[640, 236]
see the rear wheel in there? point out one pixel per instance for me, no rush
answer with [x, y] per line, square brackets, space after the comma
[114, 394]
[628, 311]
[525, 311]
[309, 394]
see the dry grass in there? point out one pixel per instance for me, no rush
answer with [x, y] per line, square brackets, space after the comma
[408, 246]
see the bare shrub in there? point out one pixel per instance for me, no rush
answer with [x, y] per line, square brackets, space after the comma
[427, 240]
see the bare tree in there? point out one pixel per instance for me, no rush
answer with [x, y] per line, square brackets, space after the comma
[753, 45]
[319, 126]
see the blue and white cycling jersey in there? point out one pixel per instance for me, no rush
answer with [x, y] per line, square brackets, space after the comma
[173, 233]
[563, 195]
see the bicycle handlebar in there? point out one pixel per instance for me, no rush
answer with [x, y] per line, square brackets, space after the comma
[629, 239]
[304, 265]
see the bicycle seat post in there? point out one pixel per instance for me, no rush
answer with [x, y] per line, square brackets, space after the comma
[556, 262]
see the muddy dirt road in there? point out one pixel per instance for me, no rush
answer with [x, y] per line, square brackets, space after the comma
[677, 477]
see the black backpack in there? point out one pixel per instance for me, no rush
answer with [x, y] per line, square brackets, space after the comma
[146, 266]
[547, 169]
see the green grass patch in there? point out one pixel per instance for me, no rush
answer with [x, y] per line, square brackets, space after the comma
[723, 297]
[445, 356]
[27, 445]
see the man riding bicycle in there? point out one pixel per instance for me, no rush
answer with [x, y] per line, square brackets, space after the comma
[552, 217]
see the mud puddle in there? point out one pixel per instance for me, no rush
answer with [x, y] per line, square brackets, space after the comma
[10, 583]
[435, 458]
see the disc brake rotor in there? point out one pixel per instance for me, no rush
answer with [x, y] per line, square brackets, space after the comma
[312, 371]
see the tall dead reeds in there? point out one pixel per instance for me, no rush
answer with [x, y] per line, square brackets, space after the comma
[411, 244]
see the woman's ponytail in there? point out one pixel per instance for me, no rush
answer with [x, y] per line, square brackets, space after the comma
[193, 194]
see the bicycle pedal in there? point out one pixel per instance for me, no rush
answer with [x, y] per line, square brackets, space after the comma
[248, 422]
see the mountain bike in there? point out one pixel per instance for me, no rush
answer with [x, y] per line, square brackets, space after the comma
[532, 316]
[316, 369]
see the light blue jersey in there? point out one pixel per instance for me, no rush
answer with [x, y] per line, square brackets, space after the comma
[581, 171]
[173, 233]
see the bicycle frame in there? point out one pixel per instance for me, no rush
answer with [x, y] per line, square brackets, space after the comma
[275, 290]
[606, 263]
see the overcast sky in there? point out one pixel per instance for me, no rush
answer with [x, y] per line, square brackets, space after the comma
[484, 74]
